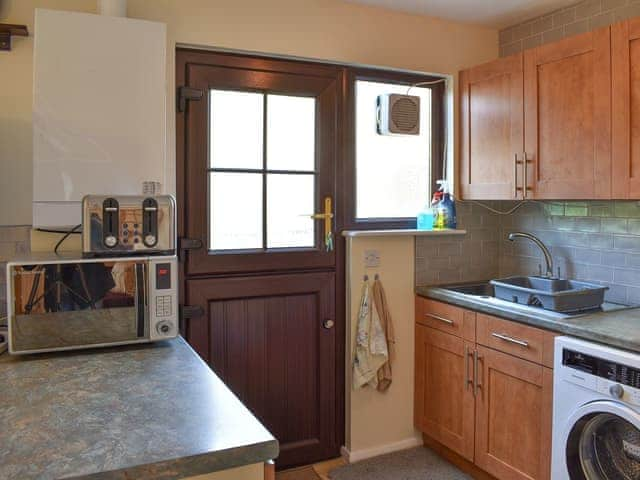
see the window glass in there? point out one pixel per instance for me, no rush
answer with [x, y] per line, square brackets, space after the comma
[235, 211]
[290, 202]
[291, 125]
[392, 172]
[236, 123]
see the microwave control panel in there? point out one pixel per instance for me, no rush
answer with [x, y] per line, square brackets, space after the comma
[163, 299]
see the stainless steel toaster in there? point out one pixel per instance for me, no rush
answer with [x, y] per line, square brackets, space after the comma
[121, 225]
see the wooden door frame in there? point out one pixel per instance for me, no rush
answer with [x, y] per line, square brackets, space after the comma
[273, 63]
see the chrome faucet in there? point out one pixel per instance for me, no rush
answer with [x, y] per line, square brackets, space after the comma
[547, 255]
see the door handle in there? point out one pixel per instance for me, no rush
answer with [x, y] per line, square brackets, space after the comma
[327, 216]
[328, 324]
[526, 162]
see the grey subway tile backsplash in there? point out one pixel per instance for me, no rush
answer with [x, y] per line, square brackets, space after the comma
[581, 17]
[595, 241]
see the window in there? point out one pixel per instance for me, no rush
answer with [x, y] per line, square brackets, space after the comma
[262, 171]
[392, 176]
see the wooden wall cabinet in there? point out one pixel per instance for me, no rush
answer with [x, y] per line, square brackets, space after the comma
[492, 131]
[560, 147]
[488, 400]
[625, 71]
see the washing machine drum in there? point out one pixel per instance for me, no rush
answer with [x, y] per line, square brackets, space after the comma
[603, 446]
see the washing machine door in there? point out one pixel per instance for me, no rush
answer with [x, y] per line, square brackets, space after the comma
[602, 442]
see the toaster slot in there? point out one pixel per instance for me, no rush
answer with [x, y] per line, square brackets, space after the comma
[150, 222]
[110, 222]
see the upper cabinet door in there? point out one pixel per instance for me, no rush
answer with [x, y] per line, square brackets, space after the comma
[491, 131]
[567, 87]
[625, 61]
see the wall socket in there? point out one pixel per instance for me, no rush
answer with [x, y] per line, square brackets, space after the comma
[371, 258]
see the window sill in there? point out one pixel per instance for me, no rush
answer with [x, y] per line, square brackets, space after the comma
[402, 233]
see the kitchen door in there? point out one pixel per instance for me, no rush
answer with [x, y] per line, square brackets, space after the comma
[257, 144]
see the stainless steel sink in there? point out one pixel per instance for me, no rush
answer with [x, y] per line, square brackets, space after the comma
[556, 294]
[476, 289]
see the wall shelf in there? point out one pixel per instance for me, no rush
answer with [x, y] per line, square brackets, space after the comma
[403, 233]
[7, 31]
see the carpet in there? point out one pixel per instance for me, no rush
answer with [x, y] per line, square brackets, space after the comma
[303, 473]
[414, 464]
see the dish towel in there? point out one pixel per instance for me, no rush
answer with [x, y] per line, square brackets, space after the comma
[371, 344]
[385, 374]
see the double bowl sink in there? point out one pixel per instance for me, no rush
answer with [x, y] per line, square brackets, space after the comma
[553, 294]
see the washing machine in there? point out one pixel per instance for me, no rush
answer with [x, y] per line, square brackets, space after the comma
[596, 412]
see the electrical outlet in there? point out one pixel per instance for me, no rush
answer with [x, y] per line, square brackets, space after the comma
[371, 258]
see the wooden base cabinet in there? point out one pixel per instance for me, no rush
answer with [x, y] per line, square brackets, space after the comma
[483, 400]
[513, 417]
[444, 406]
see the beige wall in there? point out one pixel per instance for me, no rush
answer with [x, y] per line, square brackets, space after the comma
[381, 422]
[319, 29]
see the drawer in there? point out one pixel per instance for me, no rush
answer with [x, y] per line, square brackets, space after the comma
[514, 338]
[446, 318]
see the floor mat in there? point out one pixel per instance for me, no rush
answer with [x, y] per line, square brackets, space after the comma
[304, 473]
[413, 464]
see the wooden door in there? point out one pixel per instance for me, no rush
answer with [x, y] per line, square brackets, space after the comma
[513, 417]
[266, 337]
[491, 130]
[256, 160]
[444, 404]
[567, 88]
[625, 62]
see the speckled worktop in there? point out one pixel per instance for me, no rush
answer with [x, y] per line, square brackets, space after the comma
[619, 328]
[154, 411]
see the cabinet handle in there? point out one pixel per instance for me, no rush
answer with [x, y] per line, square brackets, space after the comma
[467, 380]
[445, 320]
[515, 174]
[476, 380]
[507, 338]
[526, 162]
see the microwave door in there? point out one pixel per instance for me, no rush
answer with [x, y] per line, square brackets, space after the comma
[69, 305]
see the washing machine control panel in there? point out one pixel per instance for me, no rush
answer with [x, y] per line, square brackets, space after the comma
[613, 379]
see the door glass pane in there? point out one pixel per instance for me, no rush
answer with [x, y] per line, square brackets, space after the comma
[392, 172]
[291, 125]
[235, 211]
[290, 201]
[236, 129]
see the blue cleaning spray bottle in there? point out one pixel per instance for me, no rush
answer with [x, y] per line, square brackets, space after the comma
[448, 204]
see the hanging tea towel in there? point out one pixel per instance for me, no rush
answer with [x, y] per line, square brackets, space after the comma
[385, 374]
[371, 345]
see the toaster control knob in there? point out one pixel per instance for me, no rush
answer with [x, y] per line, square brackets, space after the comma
[163, 328]
[616, 391]
[110, 241]
[150, 240]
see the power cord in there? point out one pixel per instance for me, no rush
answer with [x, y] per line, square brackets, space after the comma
[66, 235]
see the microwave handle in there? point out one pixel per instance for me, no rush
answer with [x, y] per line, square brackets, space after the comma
[141, 300]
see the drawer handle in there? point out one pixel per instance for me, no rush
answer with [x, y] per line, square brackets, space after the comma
[507, 338]
[445, 320]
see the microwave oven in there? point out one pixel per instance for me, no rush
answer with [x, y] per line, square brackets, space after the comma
[65, 303]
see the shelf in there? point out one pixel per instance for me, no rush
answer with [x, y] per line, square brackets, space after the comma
[7, 31]
[402, 233]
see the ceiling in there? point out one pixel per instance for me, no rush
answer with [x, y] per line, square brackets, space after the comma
[488, 13]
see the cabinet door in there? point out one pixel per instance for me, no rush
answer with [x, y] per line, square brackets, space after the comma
[491, 130]
[567, 88]
[444, 404]
[513, 417]
[625, 61]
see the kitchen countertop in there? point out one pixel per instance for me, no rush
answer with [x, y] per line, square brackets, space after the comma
[152, 411]
[617, 328]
